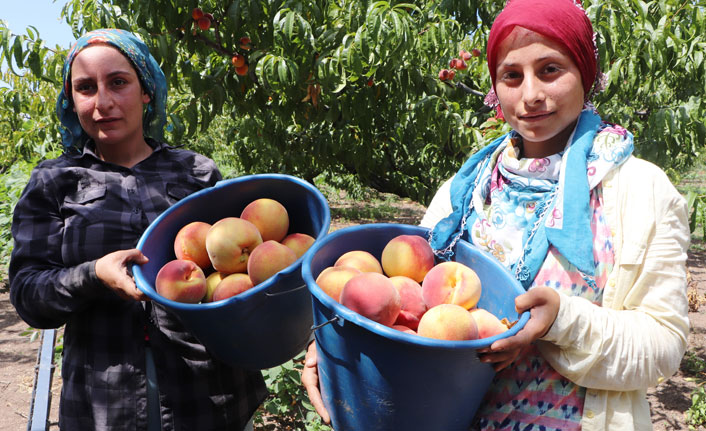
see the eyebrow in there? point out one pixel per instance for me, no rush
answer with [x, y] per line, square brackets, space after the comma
[112, 74]
[550, 57]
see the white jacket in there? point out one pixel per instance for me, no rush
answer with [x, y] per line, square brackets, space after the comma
[639, 336]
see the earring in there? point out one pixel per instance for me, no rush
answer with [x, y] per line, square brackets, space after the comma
[491, 99]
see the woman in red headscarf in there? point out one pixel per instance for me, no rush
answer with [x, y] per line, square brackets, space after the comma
[596, 236]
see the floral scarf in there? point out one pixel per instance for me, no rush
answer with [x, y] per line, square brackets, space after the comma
[535, 210]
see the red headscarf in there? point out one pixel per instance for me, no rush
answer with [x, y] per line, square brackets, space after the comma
[563, 21]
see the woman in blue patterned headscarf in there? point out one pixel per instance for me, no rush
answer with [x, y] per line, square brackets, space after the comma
[149, 72]
[128, 363]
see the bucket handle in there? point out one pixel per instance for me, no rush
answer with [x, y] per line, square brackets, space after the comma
[286, 292]
[320, 325]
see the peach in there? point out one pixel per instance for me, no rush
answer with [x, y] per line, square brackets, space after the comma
[488, 324]
[190, 244]
[332, 279]
[242, 70]
[238, 60]
[269, 216]
[181, 281]
[299, 242]
[232, 285]
[372, 295]
[211, 282]
[244, 43]
[451, 283]
[404, 329]
[361, 260]
[267, 259]
[229, 243]
[408, 255]
[204, 23]
[412, 303]
[448, 322]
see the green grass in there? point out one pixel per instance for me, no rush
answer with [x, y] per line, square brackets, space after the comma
[692, 186]
[287, 407]
[361, 205]
[695, 368]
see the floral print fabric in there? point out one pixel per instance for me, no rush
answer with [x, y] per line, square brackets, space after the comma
[530, 394]
[511, 204]
[515, 193]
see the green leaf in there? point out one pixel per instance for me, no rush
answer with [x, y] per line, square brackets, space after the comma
[34, 63]
[289, 25]
[282, 71]
[17, 51]
[694, 206]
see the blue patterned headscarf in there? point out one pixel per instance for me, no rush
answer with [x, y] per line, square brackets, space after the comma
[149, 72]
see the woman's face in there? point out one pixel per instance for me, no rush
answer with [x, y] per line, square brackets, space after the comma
[540, 91]
[107, 95]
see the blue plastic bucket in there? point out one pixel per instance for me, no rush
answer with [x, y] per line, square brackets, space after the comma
[268, 324]
[373, 377]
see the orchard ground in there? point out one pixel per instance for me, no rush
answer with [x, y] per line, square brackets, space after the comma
[668, 401]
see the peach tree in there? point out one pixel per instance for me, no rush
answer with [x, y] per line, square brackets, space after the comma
[344, 89]
[372, 91]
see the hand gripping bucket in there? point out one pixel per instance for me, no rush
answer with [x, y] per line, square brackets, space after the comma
[377, 378]
[268, 324]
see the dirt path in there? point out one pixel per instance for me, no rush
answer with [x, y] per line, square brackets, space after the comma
[18, 357]
[671, 399]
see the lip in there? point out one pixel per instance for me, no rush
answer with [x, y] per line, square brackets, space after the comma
[536, 116]
[106, 120]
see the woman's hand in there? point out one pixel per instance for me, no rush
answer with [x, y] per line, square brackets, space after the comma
[112, 269]
[310, 380]
[543, 305]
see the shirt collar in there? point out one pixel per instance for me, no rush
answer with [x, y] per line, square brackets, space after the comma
[89, 149]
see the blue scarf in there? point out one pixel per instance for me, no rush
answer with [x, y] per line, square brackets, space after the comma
[573, 238]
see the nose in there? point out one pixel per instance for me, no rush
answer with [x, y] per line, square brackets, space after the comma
[532, 90]
[104, 99]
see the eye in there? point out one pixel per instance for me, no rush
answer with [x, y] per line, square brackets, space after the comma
[119, 82]
[84, 87]
[510, 76]
[551, 69]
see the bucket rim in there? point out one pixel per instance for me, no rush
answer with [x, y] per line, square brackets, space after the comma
[141, 282]
[346, 314]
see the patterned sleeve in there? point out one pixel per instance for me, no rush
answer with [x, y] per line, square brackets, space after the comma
[43, 292]
[639, 335]
[206, 170]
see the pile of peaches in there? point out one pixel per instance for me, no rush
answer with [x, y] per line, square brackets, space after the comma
[407, 290]
[238, 253]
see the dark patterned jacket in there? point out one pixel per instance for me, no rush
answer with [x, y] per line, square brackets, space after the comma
[74, 210]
